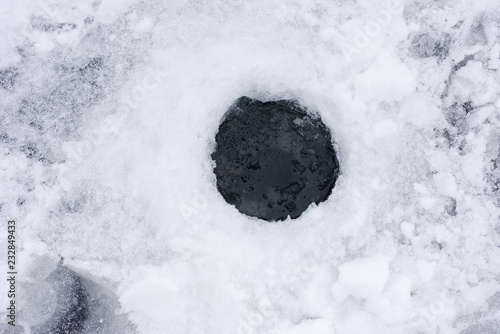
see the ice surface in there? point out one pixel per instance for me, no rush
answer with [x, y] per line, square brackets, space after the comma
[108, 113]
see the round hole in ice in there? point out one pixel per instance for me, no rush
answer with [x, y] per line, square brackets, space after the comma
[273, 159]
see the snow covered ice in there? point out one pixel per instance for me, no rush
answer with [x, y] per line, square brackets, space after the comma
[108, 116]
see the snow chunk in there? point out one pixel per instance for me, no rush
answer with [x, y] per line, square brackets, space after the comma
[445, 184]
[144, 25]
[154, 298]
[475, 81]
[385, 128]
[327, 33]
[318, 326]
[387, 80]
[363, 278]
[420, 188]
[407, 229]
[427, 202]
[426, 270]
[44, 44]
[419, 110]
[480, 294]
[438, 161]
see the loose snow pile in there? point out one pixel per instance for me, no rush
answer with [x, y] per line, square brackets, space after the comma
[108, 116]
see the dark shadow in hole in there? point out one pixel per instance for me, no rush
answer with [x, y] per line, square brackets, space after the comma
[273, 159]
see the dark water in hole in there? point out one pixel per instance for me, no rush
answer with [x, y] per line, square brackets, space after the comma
[273, 159]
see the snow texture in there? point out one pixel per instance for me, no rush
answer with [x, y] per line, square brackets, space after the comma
[108, 116]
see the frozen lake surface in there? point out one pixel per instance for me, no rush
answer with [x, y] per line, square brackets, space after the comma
[108, 116]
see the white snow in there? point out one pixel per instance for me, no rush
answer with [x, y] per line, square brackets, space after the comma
[426, 270]
[445, 184]
[385, 128]
[420, 110]
[387, 80]
[479, 294]
[119, 179]
[363, 278]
